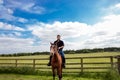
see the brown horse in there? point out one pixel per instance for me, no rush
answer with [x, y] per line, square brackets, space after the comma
[56, 61]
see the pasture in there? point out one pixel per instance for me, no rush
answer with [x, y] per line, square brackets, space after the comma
[41, 65]
[34, 77]
[72, 65]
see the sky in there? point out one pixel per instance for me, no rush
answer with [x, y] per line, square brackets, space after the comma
[30, 25]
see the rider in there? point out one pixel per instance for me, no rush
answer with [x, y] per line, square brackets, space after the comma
[60, 45]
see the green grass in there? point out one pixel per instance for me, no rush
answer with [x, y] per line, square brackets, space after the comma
[73, 55]
[27, 73]
[109, 75]
[68, 77]
[67, 61]
[33, 77]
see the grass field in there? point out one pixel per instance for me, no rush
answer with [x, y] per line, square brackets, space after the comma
[67, 61]
[73, 55]
[31, 77]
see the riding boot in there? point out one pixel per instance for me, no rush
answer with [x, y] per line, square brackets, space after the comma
[49, 63]
[63, 62]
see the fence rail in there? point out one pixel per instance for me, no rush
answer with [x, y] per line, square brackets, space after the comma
[77, 64]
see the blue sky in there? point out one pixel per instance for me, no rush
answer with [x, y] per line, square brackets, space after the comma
[29, 25]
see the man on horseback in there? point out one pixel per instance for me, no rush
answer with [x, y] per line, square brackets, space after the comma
[60, 45]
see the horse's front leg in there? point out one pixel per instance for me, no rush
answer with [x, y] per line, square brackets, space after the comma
[53, 71]
[59, 71]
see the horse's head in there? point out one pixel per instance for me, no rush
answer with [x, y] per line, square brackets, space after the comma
[53, 48]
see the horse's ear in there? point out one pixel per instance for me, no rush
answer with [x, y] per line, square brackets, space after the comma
[51, 43]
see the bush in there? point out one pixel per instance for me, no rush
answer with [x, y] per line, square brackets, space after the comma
[95, 75]
[112, 75]
[24, 71]
[18, 70]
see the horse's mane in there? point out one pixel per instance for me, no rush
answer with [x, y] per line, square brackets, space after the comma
[56, 53]
[55, 57]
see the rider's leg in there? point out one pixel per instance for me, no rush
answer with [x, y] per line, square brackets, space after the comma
[49, 63]
[63, 58]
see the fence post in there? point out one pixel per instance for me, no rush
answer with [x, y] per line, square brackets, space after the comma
[111, 60]
[34, 64]
[118, 63]
[16, 62]
[81, 65]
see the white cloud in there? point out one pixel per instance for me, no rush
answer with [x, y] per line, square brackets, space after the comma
[1, 1]
[112, 9]
[117, 5]
[103, 34]
[15, 41]
[10, 11]
[66, 29]
[13, 45]
[110, 24]
[29, 6]
[23, 20]
[33, 9]
[17, 33]
[76, 35]
[5, 26]
[7, 13]
[80, 35]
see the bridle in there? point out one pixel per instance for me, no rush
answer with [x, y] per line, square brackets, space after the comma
[52, 49]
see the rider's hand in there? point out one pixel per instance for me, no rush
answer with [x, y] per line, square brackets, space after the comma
[59, 47]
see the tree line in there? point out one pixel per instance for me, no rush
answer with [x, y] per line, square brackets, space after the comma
[95, 50]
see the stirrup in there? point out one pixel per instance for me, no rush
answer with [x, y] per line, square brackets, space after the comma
[48, 64]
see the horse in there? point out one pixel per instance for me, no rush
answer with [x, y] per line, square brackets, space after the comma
[56, 61]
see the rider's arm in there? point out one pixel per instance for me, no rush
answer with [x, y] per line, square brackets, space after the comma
[61, 47]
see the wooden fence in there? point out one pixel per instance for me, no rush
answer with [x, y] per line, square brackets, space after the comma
[73, 64]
